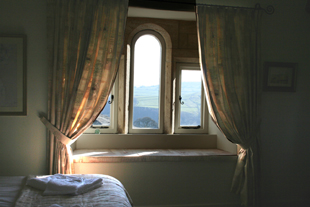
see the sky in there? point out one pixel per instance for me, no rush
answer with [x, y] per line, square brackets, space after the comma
[147, 63]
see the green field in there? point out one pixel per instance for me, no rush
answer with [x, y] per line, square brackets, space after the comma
[147, 96]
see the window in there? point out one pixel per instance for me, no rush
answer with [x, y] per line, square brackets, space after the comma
[178, 54]
[149, 93]
[155, 94]
[146, 83]
[106, 122]
[190, 102]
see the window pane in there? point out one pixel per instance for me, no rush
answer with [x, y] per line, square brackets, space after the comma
[191, 96]
[104, 117]
[146, 85]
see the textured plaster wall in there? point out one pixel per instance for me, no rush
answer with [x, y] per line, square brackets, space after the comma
[285, 130]
[190, 184]
[22, 138]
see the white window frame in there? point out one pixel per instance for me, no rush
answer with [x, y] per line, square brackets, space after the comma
[112, 129]
[204, 115]
[162, 85]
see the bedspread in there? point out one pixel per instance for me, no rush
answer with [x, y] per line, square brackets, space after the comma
[110, 194]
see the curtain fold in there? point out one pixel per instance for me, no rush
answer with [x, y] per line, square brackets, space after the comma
[85, 41]
[229, 57]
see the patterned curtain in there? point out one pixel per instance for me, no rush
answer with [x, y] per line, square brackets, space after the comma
[85, 41]
[228, 43]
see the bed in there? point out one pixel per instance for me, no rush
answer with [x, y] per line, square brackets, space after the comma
[15, 192]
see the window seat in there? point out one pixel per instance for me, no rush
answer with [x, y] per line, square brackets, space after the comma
[146, 155]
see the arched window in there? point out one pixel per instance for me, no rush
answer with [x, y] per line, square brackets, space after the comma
[147, 83]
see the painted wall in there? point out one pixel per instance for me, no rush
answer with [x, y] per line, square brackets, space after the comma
[285, 130]
[190, 184]
[285, 116]
[22, 138]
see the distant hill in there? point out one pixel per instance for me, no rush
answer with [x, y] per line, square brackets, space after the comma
[187, 88]
[146, 104]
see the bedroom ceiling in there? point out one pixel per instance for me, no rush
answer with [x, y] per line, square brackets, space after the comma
[156, 13]
[178, 9]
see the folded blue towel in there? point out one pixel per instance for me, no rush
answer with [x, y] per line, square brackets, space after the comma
[60, 184]
[39, 182]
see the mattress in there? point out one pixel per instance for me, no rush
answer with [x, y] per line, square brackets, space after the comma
[14, 192]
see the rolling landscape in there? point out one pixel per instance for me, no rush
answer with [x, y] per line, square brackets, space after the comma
[146, 105]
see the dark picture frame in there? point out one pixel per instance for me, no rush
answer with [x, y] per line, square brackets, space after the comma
[13, 75]
[280, 76]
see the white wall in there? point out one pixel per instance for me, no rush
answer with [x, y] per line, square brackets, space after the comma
[222, 141]
[22, 138]
[285, 131]
[173, 184]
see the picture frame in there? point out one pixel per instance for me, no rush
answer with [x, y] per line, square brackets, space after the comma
[13, 75]
[280, 76]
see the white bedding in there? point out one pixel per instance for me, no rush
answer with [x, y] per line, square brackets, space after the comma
[110, 194]
[10, 187]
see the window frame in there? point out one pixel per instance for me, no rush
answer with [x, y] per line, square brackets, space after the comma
[160, 38]
[204, 114]
[112, 129]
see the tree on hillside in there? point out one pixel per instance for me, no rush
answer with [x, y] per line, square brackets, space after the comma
[145, 122]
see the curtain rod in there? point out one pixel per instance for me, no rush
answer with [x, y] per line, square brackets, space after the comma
[268, 10]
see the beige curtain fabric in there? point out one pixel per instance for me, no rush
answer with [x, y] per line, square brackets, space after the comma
[85, 41]
[228, 43]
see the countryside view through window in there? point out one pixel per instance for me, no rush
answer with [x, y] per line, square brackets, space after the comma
[146, 89]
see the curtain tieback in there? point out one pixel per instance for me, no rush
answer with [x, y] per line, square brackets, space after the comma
[60, 136]
[247, 145]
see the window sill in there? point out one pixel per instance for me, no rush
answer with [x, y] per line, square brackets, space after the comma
[146, 155]
[146, 141]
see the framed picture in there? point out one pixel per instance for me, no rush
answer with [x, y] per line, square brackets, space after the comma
[280, 76]
[13, 86]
